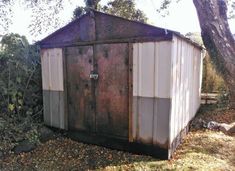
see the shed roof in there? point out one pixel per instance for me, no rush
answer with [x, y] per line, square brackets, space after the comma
[98, 27]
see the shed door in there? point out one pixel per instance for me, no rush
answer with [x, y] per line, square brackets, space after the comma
[81, 102]
[112, 89]
[98, 105]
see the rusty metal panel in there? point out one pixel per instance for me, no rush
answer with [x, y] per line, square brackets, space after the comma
[97, 26]
[112, 27]
[112, 89]
[82, 29]
[79, 88]
[130, 94]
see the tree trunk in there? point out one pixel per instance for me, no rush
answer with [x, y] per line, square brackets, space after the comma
[218, 39]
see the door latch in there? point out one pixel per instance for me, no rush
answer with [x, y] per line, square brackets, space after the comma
[94, 76]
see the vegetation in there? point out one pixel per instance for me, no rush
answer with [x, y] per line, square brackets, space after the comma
[121, 8]
[20, 89]
[20, 79]
[212, 81]
[125, 9]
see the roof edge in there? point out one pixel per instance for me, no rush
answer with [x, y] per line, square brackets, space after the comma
[61, 29]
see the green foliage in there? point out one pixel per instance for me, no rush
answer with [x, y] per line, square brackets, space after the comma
[195, 37]
[121, 8]
[92, 3]
[20, 78]
[78, 12]
[33, 136]
[212, 81]
[125, 9]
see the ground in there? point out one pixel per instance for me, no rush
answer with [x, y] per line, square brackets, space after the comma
[201, 150]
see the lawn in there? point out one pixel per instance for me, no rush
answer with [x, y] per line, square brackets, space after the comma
[201, 150]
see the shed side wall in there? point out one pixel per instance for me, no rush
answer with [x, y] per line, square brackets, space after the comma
[53, 87]
[186, 87]
[151, 92]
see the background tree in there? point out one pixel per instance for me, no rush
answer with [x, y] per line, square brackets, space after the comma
[122, 8]
[125, 9]
[217, 37]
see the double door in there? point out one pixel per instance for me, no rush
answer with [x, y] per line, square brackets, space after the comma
[97, 88]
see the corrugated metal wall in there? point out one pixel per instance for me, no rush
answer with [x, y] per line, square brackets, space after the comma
[53, 87]
[151, 92]
[166, 89]
[186, 84]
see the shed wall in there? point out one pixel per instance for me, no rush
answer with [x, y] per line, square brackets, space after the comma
[53, 87]
[186, 86]
[151, 92]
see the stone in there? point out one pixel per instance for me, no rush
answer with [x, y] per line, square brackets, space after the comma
[232, 130]
[24, 146]
[213, 125]
[227, 128]
[198, 124]
[45, 134]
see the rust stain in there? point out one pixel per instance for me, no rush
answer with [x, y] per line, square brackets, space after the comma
[79, 89]
[112, 89]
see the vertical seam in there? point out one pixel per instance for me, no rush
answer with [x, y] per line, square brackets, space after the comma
[154, 73]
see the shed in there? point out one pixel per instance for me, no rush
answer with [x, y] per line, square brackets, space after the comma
[120, 83]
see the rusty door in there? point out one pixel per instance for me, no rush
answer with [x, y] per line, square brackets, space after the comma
[98, 104]
[112, 89]
[79, 61]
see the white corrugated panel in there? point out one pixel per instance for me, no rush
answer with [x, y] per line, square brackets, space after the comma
[186, 84]
[163, 69]
[151, 81]
[52, 69]
[151, 69]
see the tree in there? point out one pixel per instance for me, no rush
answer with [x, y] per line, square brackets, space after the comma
[122, 8]
[217, 37]
[125, 9]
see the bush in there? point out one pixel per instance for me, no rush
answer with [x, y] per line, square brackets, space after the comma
[20, 91]
[20, 78]
[211, 80]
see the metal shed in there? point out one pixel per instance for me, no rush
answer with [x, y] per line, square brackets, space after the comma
[121, 83]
